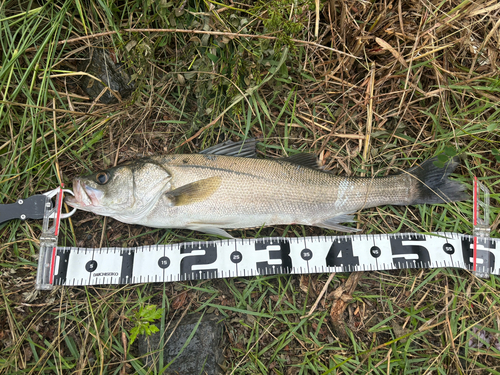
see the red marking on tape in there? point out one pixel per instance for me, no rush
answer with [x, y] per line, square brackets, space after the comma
[474, 210]
[52, 266]
[58, 214]
[475, 254]
[56, 232]
[475, 201]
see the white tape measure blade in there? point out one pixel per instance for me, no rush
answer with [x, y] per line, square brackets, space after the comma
[267, 256]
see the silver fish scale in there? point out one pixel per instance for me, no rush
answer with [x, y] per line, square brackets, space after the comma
[257, 191]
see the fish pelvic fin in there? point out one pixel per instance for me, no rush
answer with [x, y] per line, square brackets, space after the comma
[194, 192]
[333, 223]
[431, 183]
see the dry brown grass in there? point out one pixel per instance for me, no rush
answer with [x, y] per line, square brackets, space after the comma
[382, 86]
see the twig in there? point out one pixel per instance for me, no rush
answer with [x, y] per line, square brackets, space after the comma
[54, 120]
[202, 129]
[323, 291]
[123, 370]
[103, 232]
[369, 115]
[316, 26]
[266, 330]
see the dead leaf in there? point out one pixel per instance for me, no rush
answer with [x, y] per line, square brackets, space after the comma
[179, 301]
[344, 293]
[382, 43]
[304, 283]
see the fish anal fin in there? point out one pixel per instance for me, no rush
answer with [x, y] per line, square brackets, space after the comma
[194, 192]
[333, 223]
[210, 229]
[304, 160]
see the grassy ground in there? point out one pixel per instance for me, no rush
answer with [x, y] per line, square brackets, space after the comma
[372, 87]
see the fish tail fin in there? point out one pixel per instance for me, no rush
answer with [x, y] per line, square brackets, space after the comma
[431, 183]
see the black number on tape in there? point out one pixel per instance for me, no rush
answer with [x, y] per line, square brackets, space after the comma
[163, 262]
[236, 257]
[278, 251]
[62, 272]
[448, 248]
[375, 251]
[341, 255]
[483, 256]
[127, 265]
[410, 250]
[306, 254]
[190, 261]
[91, 266]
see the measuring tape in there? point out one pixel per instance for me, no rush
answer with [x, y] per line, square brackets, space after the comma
[73, 266]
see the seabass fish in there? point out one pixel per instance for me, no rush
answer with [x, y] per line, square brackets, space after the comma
[215, 190]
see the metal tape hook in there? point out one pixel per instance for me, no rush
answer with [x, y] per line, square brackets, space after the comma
[51, 194]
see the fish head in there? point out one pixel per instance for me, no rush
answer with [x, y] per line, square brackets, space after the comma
[127, 192]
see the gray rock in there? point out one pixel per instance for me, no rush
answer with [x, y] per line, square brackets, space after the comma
[203, 354]
[101, 65]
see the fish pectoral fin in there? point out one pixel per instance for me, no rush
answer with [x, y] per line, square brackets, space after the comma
[333, 223]
[304, 160]
[210, 230]
[194, 192]
[244, 149]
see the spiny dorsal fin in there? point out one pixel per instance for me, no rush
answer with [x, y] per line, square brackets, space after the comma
[243, 149]
[303, 159]
[194, 192]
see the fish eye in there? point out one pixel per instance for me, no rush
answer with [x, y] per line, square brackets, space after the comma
[102, 178]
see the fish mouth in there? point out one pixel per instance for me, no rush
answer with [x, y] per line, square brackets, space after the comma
[85, 195]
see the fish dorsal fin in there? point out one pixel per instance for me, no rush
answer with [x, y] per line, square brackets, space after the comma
[303, 159]
[194, 192]
[243, 149]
